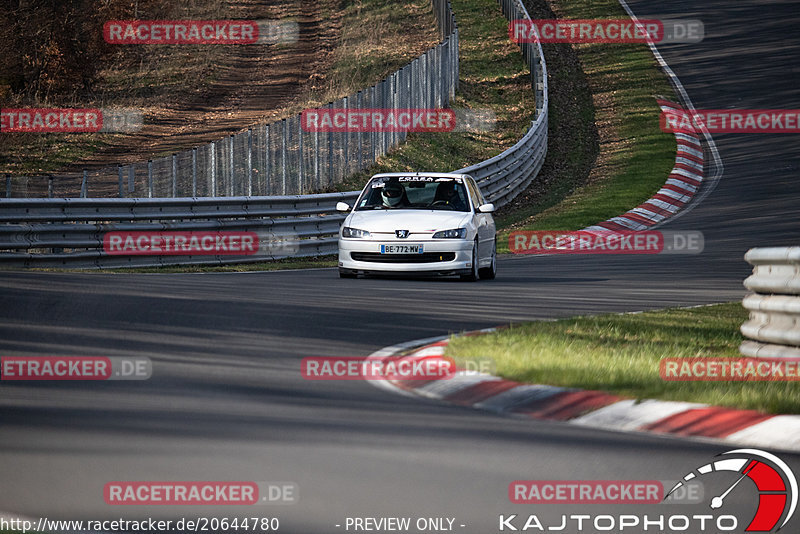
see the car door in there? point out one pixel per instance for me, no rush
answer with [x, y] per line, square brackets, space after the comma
[484, 222]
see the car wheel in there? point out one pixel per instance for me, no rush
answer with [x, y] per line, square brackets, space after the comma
[488, 273]
[347, 274]
[473, 275]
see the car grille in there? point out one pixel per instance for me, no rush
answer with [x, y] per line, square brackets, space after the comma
[425, 257]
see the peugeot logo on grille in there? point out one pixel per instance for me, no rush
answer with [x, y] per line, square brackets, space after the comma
[402, 234]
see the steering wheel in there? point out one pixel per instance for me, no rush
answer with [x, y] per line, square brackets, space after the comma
[439, 202]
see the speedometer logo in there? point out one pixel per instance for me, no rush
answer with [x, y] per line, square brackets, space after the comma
[775, 482]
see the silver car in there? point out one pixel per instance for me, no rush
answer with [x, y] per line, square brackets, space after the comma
[430, 223]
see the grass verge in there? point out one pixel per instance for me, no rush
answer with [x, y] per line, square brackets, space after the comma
[621, 354]
[634, 156]
[493, 76]
[377, 38]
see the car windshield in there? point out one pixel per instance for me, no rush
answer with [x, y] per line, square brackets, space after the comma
[414, 192]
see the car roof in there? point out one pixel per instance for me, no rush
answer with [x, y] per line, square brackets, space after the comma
[428, 174]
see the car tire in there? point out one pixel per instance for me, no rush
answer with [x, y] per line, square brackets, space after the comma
[473, 275]
[489, 273]
[347, 274]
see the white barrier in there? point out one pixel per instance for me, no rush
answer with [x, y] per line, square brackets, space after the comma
[774, 325]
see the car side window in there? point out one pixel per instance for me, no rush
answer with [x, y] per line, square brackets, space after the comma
[474, 192]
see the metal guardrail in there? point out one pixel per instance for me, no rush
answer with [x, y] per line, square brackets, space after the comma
[774, 324]
[69, 232]
[73, 229]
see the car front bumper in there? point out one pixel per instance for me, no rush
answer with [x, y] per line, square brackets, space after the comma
[438, 257]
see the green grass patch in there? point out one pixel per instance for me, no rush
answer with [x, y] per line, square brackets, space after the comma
[493, 76]
[621, 354]
[377, 38]
[58, 150]
[635, 156]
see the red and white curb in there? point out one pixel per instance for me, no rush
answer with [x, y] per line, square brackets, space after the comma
[683, 183]
[596, 409]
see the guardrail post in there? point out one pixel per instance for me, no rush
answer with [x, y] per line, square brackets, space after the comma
[49, 186]
[330, 148]
[432, 77]
[249, 162]
[8, 186]
[231, 184]
[174, 175]
[346, 141]
[149, 178]
[442, 87]
[456, 65]
[360, 105]
[401, 101]
[381, 92]
[213, 169]
[85, 184]
[284, 140]
[316, 159]
[373, 135]
[121, 188]
[425, 79]
[267, 168]
[413, 95]
[194, 171]
[393, 106]
[131, 185]
[387, 103]
[301, 163]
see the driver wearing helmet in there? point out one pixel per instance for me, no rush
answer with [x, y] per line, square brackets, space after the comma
[447, 194]
[393, 195]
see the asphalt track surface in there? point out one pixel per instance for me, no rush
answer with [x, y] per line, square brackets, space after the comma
[227, 402]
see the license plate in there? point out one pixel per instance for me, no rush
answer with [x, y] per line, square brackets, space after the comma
[401, 249]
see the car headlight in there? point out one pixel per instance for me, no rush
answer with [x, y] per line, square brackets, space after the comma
[456, 233]
[354, 232]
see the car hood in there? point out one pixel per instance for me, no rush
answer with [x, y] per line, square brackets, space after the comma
[412, 220]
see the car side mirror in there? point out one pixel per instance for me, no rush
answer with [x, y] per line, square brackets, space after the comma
[486, 208]
[342, 206]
